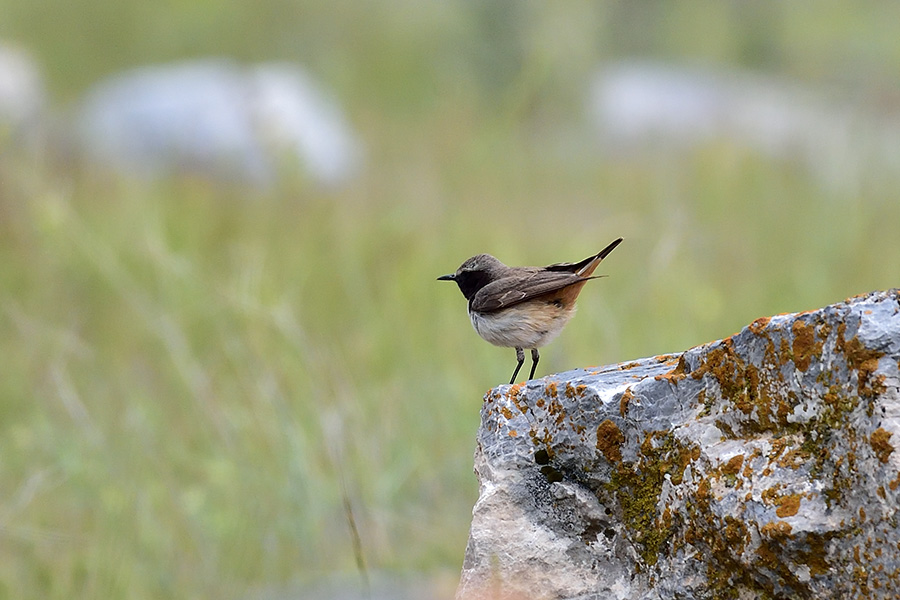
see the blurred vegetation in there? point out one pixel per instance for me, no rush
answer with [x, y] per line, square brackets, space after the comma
[191, 372]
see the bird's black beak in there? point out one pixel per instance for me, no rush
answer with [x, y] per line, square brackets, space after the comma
[450, 277]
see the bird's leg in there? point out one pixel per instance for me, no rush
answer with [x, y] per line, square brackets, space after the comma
[520, 356]
[535, 357]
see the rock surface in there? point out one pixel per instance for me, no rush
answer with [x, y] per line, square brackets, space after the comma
[758, 466]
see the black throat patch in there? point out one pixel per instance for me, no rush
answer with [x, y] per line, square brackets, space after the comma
[470, 282]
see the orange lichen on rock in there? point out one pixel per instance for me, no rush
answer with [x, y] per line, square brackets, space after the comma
[776, 529]
[575, 391]
[624, 401]
[894, 484]
[677, 374]
[734, 464]
[759, 325]
[513, 395]
[864, 361]
[609, 440]
[804, 347]
[794, 458]
[787, 506]
[881, 444]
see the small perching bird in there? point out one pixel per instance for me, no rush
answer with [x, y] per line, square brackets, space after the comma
[522, 307]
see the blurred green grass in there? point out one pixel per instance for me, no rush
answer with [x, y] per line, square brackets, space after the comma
[189, 372]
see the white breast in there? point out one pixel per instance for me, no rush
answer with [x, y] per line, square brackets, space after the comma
[521, 326]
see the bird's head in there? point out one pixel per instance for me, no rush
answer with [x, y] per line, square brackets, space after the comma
[475, 273]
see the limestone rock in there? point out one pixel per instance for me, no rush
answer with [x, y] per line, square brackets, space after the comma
[22, 97]
[758, 466]
[220, 119]
[644, 106]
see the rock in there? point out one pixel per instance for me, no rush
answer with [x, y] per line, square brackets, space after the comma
[218, 119]
[758, 466]
[646, 106]
[22, 97]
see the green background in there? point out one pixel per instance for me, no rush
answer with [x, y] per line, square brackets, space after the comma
[192, 373]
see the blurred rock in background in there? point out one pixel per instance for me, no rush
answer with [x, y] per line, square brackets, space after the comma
[22, 97]
[639, 106]
[221, 120]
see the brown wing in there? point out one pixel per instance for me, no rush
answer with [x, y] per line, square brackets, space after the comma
[519, 288]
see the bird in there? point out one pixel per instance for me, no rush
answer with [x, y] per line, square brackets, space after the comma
[523, 307]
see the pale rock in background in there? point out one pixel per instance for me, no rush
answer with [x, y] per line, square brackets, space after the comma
[23, 99]
[218, 119]
[639, 106]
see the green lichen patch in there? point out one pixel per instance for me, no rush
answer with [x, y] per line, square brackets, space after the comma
[724, 572]
[782, 555]
[637, 487]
